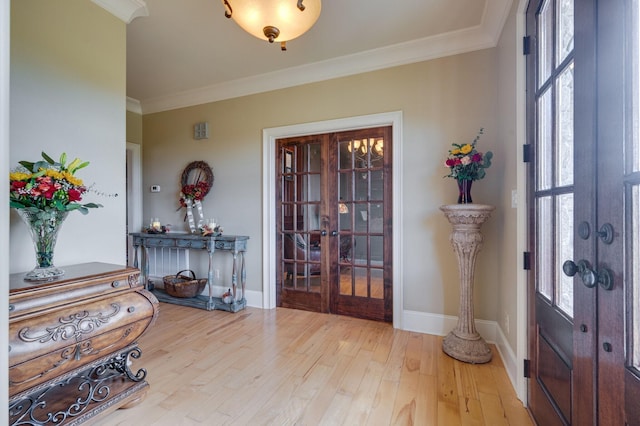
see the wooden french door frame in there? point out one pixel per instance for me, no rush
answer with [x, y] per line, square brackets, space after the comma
[269, 137]
[335, 225]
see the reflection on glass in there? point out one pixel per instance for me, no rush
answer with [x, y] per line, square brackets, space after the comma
[565, 126]
[545, 140]
[564, 235]
[362, 186]
[544, 248]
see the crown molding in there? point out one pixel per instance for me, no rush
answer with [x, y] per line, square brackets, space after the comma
[133, 105]
[483, 36]
[126, 10]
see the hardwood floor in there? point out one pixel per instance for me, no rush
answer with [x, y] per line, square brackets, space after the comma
[290, 367]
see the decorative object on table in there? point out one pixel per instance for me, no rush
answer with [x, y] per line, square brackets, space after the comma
[43, 193]
[227, 297]
[196, 182]
[211, 228]
[464, 343]
[467, 164]
[184, 286]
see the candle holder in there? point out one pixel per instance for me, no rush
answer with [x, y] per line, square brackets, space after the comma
[464, 343]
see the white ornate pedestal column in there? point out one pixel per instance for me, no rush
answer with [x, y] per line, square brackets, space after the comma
[464, 342]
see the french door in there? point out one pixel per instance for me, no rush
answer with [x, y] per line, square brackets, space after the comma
[584, 186]
[334, 223]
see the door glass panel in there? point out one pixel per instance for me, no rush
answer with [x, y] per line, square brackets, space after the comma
[312, 151]
[545, 140]
[361, 217]
[565, 127]
[361, 282]
[360, 250]
[564, 250]
[377, 185]
[344, 186]
[545, 42]
[635, 250]
[362, 186]
[565, 29]
[544, 248]
[377, 283]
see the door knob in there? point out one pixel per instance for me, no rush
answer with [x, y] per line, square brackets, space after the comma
[334, 233]
[589, 277]
[323, 233]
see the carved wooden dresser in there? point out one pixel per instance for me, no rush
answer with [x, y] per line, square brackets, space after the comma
[73, 344]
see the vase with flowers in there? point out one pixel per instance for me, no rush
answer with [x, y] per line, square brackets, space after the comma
[43, 193]
[466, 164]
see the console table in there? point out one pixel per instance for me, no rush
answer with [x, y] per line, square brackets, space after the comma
[234, 244]
[72, 341]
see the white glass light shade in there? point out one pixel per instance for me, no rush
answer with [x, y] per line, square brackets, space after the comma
[254, 15]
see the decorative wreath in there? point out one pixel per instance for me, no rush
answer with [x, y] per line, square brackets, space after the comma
[196, 181]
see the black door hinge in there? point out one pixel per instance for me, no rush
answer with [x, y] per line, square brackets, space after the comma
[526, 45]
[526, 260]
[527, 369]
[526, 153]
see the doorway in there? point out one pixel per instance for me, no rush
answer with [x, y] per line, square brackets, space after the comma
[584, 186]
[270, 135]
[334, 223]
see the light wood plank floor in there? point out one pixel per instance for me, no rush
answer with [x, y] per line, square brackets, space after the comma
[290, 367]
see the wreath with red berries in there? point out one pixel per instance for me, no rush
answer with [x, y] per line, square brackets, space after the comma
[196, 182]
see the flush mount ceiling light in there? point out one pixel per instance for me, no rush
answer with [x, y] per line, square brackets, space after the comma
[274, 20]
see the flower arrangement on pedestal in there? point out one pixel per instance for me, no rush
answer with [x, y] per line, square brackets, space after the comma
[467, 164]
[43, 193]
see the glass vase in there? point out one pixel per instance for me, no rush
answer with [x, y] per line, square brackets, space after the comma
[464, 191]
[44, 226]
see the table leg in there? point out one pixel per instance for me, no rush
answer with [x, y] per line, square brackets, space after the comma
[211, 305]
[243, 276]
[234, 276]
[145, 268]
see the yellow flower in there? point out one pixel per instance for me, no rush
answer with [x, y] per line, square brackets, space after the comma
[466, 149]
[455, 152]
[53, 173]
[19, 176]
[72, 179]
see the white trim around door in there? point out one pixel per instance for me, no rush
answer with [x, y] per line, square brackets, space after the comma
[269, 137]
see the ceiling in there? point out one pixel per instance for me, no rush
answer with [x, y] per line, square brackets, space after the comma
[187, 53]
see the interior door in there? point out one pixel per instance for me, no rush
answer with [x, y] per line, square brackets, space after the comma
[364, 260]
[334, 223]
[585, 197]
[302, 276]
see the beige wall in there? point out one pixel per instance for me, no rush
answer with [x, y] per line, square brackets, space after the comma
[443, 101]
[506, 313]
[134, 127]
[68, 82]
